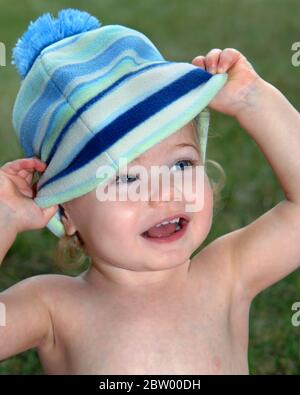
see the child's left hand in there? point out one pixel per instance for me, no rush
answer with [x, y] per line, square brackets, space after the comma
[239, 91]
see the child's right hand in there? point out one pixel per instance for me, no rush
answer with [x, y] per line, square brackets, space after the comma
[17, 193]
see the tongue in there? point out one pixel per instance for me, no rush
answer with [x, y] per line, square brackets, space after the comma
[162, 231]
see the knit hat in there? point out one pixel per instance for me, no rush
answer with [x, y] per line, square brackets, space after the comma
[92, 94]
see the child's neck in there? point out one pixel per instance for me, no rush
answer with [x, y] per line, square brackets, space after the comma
[100, 273]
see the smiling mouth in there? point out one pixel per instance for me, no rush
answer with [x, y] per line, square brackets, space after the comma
[166, 229]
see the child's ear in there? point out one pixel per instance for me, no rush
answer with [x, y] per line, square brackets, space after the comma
[70, 228]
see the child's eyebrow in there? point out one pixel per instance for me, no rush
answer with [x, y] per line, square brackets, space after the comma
[180, 145]
[187, 145]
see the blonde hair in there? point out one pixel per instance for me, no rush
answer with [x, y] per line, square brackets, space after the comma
[71, 251]
[217, 184]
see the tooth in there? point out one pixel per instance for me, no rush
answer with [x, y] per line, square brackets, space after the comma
[173, 221]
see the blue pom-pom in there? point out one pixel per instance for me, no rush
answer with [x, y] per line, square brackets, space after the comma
[47, 30]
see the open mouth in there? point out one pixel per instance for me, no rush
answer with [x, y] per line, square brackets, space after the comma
[168, 230]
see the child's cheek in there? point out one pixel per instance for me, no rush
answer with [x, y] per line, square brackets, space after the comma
[202, 219]
[122, 219]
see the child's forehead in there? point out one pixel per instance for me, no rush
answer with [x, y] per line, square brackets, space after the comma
[184, 137]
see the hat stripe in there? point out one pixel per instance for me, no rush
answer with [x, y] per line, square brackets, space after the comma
[86, 87]
[137, 142]
[95, 42]
[30, 86]
[37, 71]
[46, 155]
[83, 55]
[66, 42]
[118, 100]
[66, 74]
[141, 87]
[135, 116]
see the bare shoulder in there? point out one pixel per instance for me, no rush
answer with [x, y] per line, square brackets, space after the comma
[39, 290]
[215, 262]
[44, 282]
[217, 254]
[28, 306]
[51, 286]
[260, 253]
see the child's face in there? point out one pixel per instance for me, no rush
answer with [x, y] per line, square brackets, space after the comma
[112, 230]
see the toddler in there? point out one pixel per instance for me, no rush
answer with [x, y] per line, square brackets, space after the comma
[90, 96]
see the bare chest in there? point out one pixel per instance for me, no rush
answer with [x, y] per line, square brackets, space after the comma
[165, 334]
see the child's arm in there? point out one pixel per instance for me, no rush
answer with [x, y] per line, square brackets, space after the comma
[267, 249]
[7, 229]
[26, 322]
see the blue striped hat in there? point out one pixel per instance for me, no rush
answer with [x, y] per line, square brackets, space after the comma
[92, 94]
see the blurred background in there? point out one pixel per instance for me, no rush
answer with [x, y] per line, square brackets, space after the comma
[264, 31]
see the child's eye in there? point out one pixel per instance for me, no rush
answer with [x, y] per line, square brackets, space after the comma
[185, 161]
[125, 178]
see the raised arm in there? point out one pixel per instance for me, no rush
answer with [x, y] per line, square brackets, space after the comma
[25, 320]
[268, 249]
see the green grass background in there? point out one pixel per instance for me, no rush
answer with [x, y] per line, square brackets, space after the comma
[264, 31]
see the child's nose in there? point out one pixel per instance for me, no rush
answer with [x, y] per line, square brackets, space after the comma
[164, 190]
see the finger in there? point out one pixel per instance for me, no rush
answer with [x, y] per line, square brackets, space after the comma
[228, 57]
[199, 61]
[22, 179]
[212, 59]
[21, 183]
[23, 168]
[27, 175]
[27, 192]
[13, 167]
